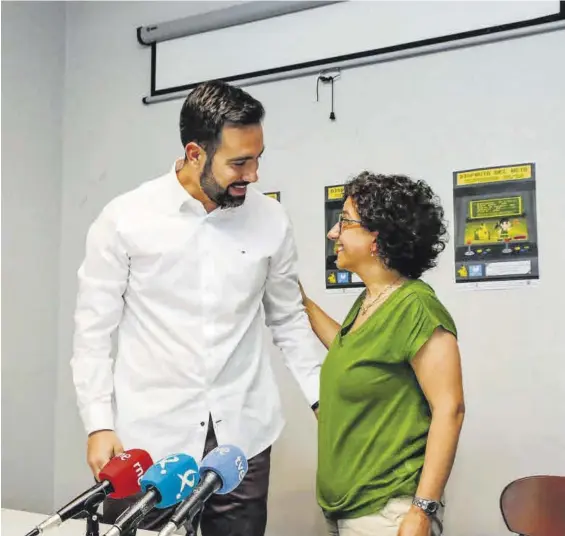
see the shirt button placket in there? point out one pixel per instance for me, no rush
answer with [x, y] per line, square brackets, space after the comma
[207, 309]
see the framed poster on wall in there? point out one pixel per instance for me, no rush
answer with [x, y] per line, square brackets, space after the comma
[335, 278]
[496, 232]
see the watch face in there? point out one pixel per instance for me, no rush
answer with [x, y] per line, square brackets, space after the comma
[429, 507]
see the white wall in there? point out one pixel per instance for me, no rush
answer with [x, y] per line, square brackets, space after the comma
[430, 116]
[426, 116]
[33, 54]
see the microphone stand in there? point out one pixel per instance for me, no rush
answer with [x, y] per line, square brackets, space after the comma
[92, 522]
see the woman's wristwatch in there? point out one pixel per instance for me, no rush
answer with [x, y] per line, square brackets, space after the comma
[429, 507]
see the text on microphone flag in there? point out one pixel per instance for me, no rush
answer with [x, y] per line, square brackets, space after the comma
[124, 472]
[229, 463]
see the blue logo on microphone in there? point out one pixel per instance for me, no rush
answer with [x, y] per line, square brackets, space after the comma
[174, 477]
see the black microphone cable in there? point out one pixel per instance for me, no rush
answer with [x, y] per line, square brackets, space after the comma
[326, 80]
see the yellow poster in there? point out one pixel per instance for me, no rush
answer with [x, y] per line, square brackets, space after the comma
[496, 174]
[335, 192]
[495, 219]
[335, 278]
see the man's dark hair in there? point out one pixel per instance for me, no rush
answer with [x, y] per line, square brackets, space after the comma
[407, 216]
[210, 107]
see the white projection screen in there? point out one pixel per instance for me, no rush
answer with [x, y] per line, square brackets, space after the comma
[314, 37]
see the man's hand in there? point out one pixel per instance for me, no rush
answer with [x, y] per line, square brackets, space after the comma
[415, 523]
[101, 446]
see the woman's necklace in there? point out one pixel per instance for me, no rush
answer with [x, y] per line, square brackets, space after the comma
[365, 307]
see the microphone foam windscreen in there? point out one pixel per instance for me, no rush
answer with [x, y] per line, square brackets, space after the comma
[229, 463]
[174, 477]
[124, 472]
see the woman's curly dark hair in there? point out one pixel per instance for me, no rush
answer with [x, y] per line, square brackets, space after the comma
[407, 216]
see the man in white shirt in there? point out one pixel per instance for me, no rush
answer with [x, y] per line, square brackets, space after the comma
[188, 268]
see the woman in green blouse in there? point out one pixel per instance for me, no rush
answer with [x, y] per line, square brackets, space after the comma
[391, 397]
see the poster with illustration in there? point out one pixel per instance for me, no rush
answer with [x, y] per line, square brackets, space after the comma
[495, 225]
[336, 279]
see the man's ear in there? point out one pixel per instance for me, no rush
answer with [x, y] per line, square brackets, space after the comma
[195, 155]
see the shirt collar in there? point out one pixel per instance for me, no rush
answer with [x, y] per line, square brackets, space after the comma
[180, 199]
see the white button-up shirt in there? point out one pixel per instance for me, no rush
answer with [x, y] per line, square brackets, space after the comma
[190, 293]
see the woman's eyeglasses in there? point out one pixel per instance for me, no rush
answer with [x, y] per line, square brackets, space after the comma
[347, 221]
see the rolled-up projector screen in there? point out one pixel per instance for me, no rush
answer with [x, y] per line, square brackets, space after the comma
[322, 35]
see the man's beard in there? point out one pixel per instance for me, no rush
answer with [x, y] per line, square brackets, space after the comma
[217, 193]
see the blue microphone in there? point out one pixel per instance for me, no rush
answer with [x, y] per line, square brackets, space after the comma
[166, 483]
[221, 471]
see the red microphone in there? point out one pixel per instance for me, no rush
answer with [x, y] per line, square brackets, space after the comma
[124, 472]
[118, 479]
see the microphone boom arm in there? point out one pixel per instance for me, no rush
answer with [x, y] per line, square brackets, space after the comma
[133, 516]
[186, 511]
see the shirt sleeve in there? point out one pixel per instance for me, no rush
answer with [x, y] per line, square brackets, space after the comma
[426, 315]
[102, 280]
[286, 317]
